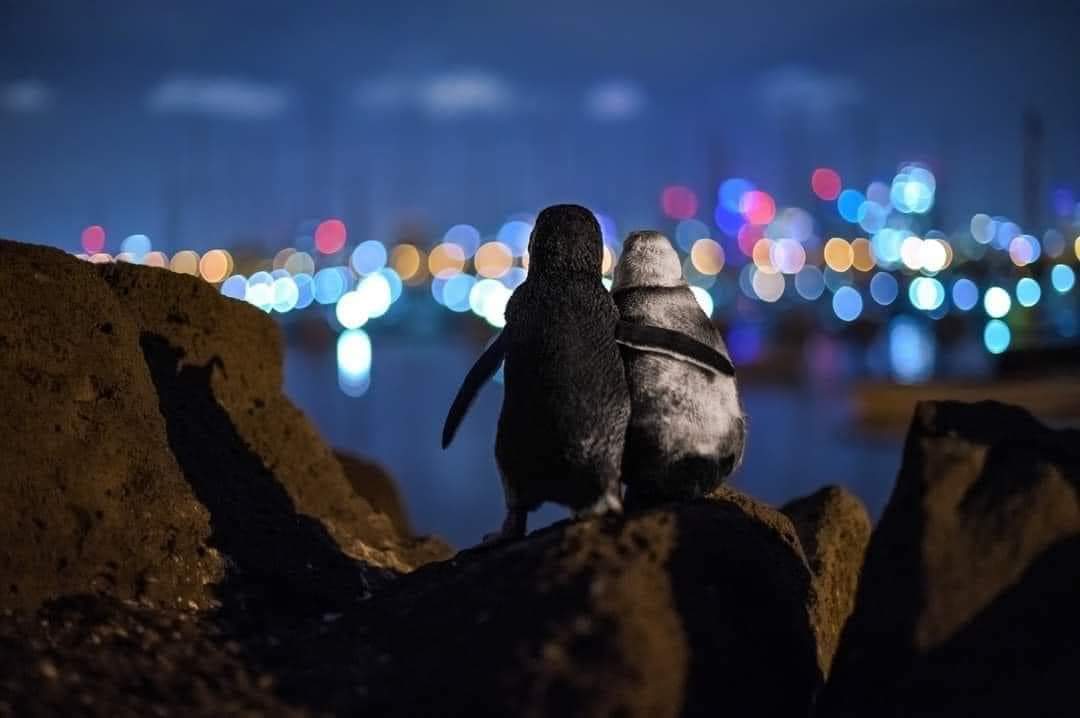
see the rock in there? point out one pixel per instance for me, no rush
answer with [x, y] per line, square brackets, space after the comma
[833, 528]
[234, 352]
[967, 601]
[102, 657]
[690, 609]
[151, 454]
[371, 481]
[91, 498]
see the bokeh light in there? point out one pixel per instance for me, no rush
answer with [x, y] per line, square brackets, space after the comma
[768, 287]
[350, 311]
[494, 259]
[368, 257]
[1062, 277]
[678, 202]
[911, 350]
[926, 293]
[185, 262]
[707, 256]
[330, 236]
[965, 294]
[235, 287]
[215, 265]
[758, 207]
[136, 245]
[839, 255]
[1028, 292]
[92, 239]
[826, 183]
[847, 304]
[997, 302]
[354, 359]
[809, 283]
[446, 260]
[704, 300]
[407, 261]
[884, 288]
[996, 336]
[862, 255]
[465, 236]
[848, 203]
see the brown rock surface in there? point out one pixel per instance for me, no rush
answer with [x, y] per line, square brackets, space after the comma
[91, 498]
[967, 601]
[149, 451]
[691, 609]
[833, 528]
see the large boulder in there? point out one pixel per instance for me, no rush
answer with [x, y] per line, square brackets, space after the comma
[967, 601]
[833, 528]
[91, 497]
[692, 609]
[149, 452]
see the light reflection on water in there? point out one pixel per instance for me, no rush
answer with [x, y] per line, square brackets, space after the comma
[799, 438]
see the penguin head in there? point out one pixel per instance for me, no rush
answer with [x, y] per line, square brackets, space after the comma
[566, 240]
[648, 260]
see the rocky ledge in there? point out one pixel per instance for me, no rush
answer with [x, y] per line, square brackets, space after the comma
[175, 539]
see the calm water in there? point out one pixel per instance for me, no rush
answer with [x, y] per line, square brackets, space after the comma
[799, 440]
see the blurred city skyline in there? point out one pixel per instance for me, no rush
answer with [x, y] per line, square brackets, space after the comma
[209, 125]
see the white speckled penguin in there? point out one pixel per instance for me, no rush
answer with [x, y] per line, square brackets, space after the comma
[687, 430]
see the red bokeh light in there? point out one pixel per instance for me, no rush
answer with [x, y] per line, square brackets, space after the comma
[679, 202]
[93, 239]
[749, 234]
[330, 236]
[826, 183]
[758, 207]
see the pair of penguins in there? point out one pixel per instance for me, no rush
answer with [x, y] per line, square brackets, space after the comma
[633, 385]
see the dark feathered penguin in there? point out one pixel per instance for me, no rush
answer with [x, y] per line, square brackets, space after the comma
[687, 429]
[565, 402]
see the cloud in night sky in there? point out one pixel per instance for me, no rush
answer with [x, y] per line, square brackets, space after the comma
[218, 96]
[26, 97]
[614, 100]
[448, 94]
[807, 91]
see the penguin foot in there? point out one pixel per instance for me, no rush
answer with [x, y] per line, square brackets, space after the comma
[513, 527]
[609, 503]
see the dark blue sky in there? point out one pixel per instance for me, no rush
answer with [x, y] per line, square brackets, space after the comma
[203, 124]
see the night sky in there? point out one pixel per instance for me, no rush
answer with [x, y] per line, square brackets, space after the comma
[209, 124]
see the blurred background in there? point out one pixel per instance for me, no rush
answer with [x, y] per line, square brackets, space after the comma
[876, 201]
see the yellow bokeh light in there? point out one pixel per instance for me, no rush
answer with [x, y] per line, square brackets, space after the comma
[214, 265]
[707, 256]
[862, 256]
[156, 259]
[406, 260]
[493, 260]
[100, 258]
[1076, 247]
[762, 255]
[525, 260]
[446, 260]
[839, 255]
[185, 262]
[282, 257]
[608, 262]
[300, 263]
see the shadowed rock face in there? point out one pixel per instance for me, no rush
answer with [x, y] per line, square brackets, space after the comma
[149, 452]
[967, 598]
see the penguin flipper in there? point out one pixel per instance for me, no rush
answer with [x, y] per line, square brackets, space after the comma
[648, 338]
[484, 368]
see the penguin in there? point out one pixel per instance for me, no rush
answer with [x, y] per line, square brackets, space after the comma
[565, 400]
[687, 429]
